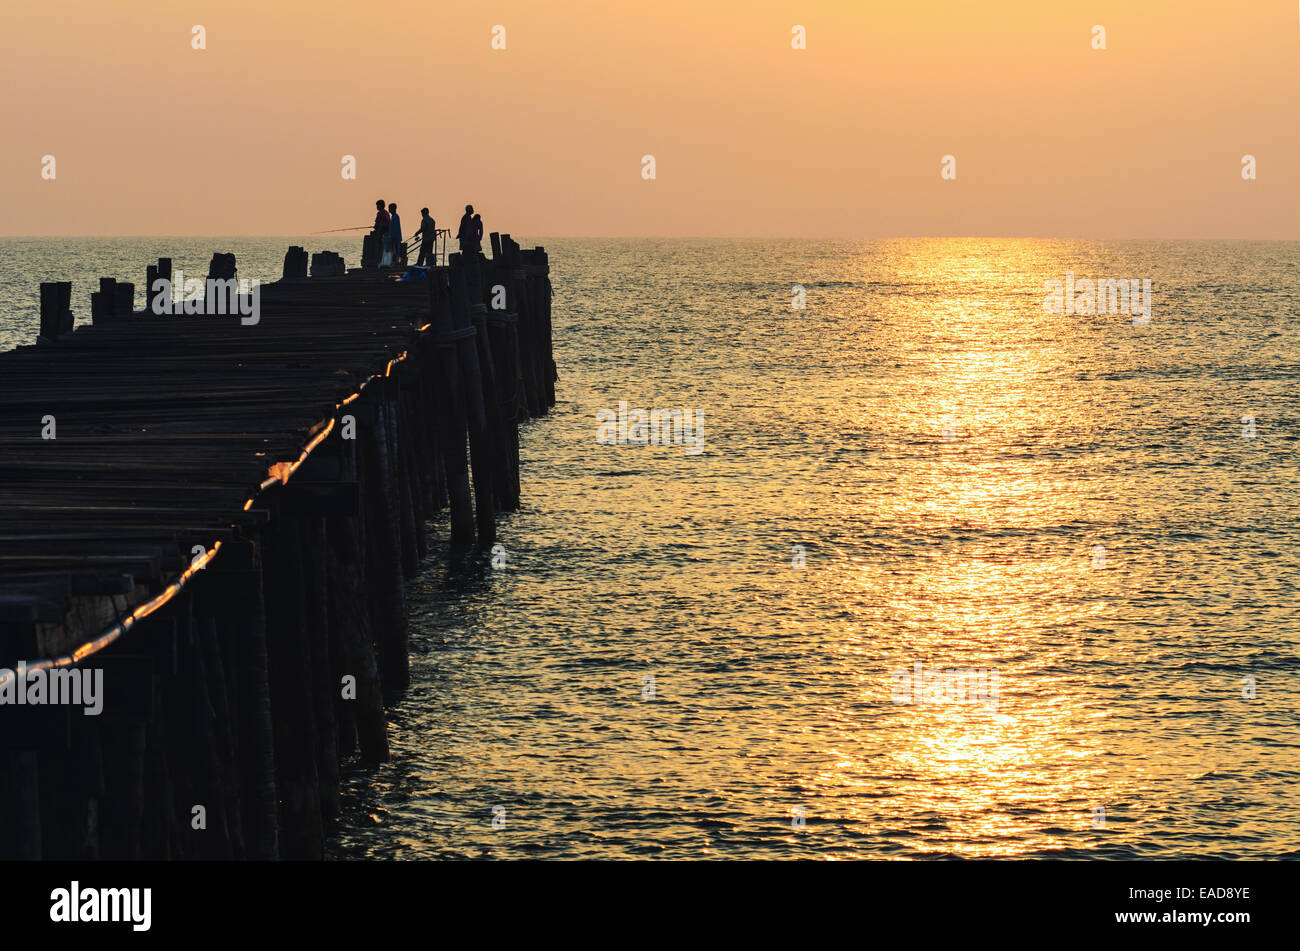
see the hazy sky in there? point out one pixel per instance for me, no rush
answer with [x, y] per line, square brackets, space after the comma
[750, 137]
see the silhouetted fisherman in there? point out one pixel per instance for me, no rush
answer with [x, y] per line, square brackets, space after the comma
[395, 235]
[428, 234]
[468, 233]
[381, 233]
[478, 233]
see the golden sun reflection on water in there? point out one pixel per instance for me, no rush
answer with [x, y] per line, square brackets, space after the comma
[976, 771]
[990, 382]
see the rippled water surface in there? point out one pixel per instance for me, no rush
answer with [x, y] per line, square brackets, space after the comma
[1066, 502]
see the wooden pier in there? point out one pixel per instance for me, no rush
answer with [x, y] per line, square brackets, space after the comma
[220, 514]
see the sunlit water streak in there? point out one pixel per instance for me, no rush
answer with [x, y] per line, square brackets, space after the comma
[1120, 686]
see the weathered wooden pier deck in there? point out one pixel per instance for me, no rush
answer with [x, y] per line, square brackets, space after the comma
[221, 516]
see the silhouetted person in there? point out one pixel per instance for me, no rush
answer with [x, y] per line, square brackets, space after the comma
[395, 234]
[381, 233]
[428, 234]
[466, 234]
[478, 233]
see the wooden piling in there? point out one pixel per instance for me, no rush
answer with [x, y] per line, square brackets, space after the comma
[482, 454]
[295, 264]
[350, 626]
[206, 835]
[56, 309]
[293, 704]
[383, 549]
[225, 735]
[20, 804]
[121, 811]
[257, 775]
[315, 615]
[452, 421]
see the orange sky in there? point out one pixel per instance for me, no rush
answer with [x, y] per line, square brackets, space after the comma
[750, 137]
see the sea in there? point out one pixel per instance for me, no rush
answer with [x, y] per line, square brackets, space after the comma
[949, 564]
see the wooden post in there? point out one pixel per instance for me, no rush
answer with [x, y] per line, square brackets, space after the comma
[414, 442]
[327, 264]
[165, 273]
[241, 634]
[20, 804]
[150, 295]
[56, 309]
[426, 395]
[350, 626]
[160, 831]
[123, 299]
[65, 800]
[197, 745]
[313, 552]
[122, 807]
[503, 332]
[292, 692]
[542, 264]
[383, 545]
[400, 458]
[222, 267]
[483, 456]
[295, 264]
[452, 423]
[522, 305]
[497, 424]
[225, 729]
[103, 300]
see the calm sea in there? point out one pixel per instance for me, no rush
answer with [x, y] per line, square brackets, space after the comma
[1069, 539]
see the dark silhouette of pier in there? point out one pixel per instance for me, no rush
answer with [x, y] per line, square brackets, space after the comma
[220, 513]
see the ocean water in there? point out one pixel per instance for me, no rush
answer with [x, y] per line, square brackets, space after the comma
[705, 654]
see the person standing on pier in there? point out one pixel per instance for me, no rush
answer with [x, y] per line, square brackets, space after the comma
[466, 233]
[428, 233]
[395, 235]
[478, 233]
[381, 233]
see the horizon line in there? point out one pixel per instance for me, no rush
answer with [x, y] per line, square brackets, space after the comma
[715, 237]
